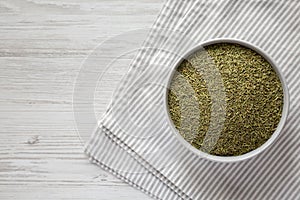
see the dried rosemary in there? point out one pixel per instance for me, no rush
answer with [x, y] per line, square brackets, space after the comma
[253, 103]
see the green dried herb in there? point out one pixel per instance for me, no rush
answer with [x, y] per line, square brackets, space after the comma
[253, 103]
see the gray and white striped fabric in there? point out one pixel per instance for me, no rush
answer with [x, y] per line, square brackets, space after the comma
[171, 13]
[154, 159]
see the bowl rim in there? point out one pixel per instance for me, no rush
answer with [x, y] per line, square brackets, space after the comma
[280, 125]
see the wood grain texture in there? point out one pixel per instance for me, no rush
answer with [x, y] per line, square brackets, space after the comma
[42, 45]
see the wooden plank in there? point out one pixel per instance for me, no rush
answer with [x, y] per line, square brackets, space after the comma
[42, 46]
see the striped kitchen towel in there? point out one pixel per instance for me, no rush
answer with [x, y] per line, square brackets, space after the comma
[136, 174]
[136, 124]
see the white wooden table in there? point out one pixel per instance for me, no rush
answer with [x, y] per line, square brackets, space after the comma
[42, 45]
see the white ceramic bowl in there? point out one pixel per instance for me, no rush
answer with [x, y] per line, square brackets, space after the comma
[280, 126]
